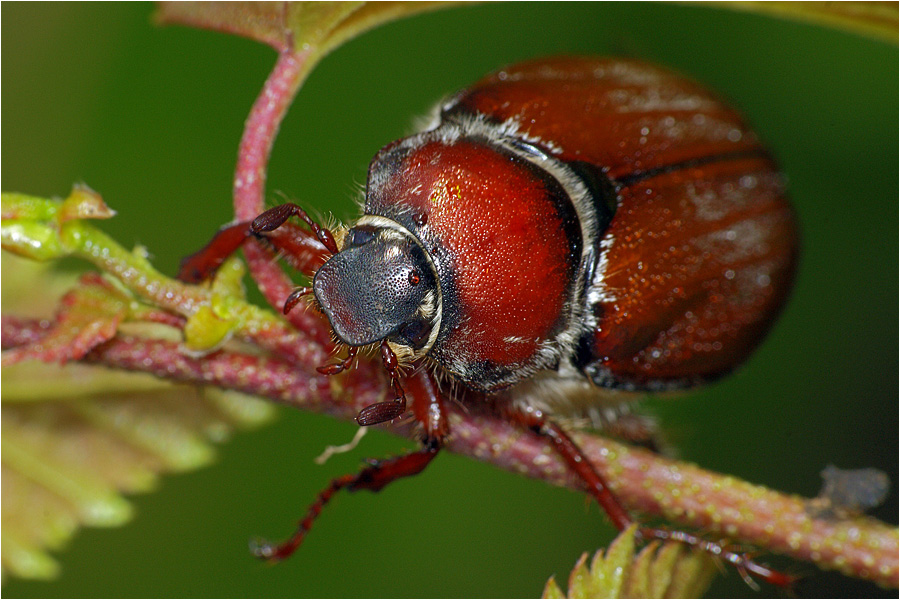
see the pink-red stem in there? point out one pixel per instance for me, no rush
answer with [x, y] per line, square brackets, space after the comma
[645, 482]
[260, 132]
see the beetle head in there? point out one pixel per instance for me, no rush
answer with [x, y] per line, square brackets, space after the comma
[382, 284]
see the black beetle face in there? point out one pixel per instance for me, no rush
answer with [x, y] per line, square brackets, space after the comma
[379, 286]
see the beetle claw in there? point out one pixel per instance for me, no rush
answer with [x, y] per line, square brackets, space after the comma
[261, 548]
[294, 298]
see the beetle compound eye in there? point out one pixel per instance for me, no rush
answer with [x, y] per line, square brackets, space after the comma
[358, 237]
[414, 333]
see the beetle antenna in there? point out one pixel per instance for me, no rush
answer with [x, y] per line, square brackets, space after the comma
[381, 412]
[276, 217]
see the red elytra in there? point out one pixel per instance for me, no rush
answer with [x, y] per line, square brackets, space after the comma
[565, 232]
[701, 251]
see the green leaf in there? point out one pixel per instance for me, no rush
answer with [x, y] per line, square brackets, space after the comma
[76, 438]
[659, 571]
[323, 26]
[313, 27]
[873, 19]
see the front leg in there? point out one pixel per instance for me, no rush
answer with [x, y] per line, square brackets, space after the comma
[299, 247]
[428, 409]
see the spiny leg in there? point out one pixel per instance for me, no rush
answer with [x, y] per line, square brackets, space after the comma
[201, 265]
[378, 474]
[581, 465]
[295, 298]
[297, 246]
[576, 461]
[373, 478]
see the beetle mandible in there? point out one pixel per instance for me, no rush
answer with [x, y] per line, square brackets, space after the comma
[565, 233]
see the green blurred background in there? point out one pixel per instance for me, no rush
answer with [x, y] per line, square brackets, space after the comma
[151, 117]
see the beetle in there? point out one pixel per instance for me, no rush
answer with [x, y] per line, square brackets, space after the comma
[562, 235]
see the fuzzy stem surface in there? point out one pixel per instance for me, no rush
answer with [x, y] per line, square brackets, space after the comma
[648, 483]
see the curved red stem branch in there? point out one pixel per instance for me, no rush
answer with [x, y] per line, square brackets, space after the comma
[260, 131]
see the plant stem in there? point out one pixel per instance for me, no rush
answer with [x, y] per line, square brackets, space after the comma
[646, 482]
[260, 131]
[259, 135]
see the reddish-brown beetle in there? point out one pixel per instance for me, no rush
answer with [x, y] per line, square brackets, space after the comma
[565, 232]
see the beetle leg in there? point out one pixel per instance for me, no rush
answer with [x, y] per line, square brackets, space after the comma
[381, 412]
[296, 245]
[202, 264]
[576, 460]
[374, 477]
[276, 217]
[295, 297]
[581, 465]
[428, 408]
